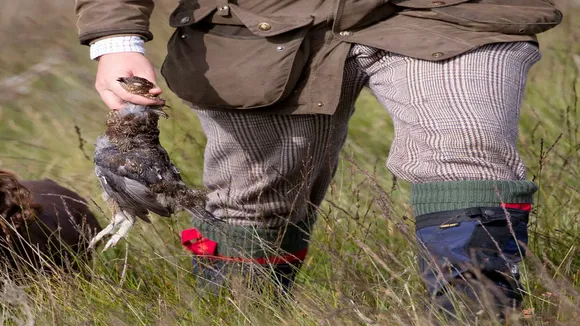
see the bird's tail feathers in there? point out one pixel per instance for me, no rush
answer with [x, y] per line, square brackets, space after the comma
[199, 212]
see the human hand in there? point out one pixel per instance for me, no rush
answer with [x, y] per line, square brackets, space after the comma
[124, 64]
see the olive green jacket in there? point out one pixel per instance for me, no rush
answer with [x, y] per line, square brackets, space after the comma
[288, 55]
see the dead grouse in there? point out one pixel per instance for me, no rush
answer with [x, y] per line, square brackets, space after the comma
[135, 171]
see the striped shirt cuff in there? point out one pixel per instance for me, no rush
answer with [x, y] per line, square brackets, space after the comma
[117, 44]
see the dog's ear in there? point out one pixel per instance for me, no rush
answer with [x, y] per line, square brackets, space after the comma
[5, 204]
[16, 202]
[7, 188]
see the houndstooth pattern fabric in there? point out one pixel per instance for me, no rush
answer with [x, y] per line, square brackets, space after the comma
[454, 120]
[263, 170]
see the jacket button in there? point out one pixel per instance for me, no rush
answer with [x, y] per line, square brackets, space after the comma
[438, 3]
[184, 20]
[264, 26]
[438, 54]
[320, 104]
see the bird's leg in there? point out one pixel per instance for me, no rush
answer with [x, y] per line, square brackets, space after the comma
[125, 225]
[113, 205]
[117, 219]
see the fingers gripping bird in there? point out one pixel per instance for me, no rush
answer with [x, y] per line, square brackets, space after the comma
[134, 170]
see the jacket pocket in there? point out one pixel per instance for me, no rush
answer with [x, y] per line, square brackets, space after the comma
[526, 17]
[249, 65]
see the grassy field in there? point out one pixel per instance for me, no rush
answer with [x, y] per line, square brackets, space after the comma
[361, 267]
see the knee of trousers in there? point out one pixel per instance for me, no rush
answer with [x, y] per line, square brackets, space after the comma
[486, 239]
[452, 156]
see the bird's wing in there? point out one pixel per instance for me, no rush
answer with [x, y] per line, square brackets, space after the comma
[145, 197]
[131, 195]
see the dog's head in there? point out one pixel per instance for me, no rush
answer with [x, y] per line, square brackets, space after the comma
[16, 203]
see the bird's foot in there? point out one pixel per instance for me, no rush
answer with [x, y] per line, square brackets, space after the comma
[124, 228]
[120, 226]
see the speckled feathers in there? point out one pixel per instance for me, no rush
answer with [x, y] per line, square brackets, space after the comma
[135, 171]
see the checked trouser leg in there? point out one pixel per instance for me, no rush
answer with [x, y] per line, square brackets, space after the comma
[456, 131]
[266, 176]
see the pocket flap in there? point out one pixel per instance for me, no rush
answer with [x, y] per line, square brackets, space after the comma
[187, 14]
[269, 26]
[506, 14]
[426, 4]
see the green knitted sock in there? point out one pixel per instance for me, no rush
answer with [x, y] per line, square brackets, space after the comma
[451, 195]
[239, 241]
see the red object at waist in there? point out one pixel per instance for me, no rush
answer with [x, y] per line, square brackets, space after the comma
[193, 241]
[525, 206]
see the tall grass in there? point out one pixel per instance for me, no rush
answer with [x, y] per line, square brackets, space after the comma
[361, 268]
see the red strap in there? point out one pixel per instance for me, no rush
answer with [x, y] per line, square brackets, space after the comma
[193, 241]
[525, 206]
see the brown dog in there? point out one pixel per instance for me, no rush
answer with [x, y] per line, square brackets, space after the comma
[43, 225]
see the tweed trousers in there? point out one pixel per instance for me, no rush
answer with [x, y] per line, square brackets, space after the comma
[453, 120]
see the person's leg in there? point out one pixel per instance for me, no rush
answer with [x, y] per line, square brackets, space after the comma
[456, 129]
[266, 175]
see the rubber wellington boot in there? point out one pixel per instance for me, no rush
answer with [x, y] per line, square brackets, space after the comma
[471, 256]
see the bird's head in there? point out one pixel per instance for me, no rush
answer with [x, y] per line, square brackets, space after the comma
[137, 85]
[140, 86]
